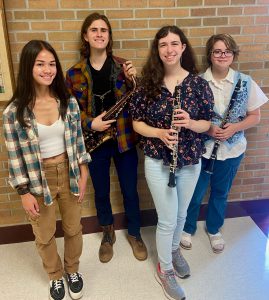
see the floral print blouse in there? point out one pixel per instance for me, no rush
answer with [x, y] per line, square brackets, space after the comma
[196, 98]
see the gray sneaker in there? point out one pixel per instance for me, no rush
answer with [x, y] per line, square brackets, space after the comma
[171, 288]
[181, 267]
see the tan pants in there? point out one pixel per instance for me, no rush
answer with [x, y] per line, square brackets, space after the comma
[44, 227]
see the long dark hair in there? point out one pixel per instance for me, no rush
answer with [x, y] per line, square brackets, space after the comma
[85, 49]
[153, 70]
[25, 93]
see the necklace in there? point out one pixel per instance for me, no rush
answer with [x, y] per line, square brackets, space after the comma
[102, 97]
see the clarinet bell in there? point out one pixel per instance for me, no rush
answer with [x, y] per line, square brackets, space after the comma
[172, 180]
[210, 166]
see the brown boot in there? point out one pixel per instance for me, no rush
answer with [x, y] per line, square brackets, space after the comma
[138, 246]
[106, 248]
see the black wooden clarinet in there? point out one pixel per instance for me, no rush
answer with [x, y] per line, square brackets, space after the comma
[210, 164]
[174, 147]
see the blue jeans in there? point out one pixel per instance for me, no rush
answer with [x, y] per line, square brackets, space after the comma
[171, 204]
[126, 166]
[220, 184]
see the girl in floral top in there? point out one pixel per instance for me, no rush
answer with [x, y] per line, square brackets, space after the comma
[170, 72]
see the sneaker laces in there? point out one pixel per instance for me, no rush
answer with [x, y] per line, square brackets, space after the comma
[57, 284]
[73, 277]
[170, 279]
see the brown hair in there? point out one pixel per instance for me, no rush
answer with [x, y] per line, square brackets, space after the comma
[85, 49]
[226, 39]
[153, 70]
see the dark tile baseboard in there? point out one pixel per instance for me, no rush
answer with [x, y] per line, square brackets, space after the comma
[23, 232]
[258, 210]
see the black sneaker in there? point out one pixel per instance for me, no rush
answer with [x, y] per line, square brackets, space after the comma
[57, 291]
[75, 284]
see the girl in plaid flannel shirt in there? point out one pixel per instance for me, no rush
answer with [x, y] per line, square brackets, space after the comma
[48, 161]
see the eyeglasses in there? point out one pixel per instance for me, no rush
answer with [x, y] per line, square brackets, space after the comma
[218, 53]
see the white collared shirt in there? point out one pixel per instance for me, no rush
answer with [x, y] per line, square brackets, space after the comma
[222, 91]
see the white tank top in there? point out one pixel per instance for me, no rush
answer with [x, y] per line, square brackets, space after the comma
[51, 138]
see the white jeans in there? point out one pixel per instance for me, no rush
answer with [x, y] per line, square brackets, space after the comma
[171, 204]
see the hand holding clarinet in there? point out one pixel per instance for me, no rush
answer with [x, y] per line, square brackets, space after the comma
[222, 132]
[180, 118]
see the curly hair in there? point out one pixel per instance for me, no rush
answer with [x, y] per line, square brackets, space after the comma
[153, 70]
[85, 49]
[226, 39]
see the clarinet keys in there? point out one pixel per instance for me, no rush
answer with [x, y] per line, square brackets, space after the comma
[174, 147]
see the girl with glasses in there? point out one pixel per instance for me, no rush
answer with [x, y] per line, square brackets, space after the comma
[237, 107]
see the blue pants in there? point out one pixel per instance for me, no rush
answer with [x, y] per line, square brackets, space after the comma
[220, 184]
[171, 204]
[126, 166]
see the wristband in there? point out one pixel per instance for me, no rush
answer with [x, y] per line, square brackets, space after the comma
[23, 190]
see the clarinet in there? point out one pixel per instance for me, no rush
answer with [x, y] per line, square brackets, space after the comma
[210, 164]
[174, 147]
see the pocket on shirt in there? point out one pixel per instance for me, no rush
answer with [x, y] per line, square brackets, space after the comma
[24, 140]
[26, 135]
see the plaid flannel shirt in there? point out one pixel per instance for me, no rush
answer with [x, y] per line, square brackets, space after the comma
[79, 84]
[24, 157]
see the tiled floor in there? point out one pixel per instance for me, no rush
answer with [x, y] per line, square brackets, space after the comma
[240, 273]
[257, 210]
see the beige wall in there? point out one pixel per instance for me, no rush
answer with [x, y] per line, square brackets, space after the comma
[134, 25]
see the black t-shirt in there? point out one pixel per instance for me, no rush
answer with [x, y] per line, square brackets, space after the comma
[103, 86]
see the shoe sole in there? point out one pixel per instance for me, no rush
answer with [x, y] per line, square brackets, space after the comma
[160, 283]
[105, 261]
[185, 247]
[53, 299]
[75, 296]
[180, 276]
[139, 258]
[217, 251]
